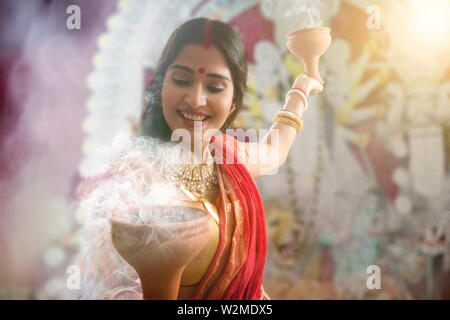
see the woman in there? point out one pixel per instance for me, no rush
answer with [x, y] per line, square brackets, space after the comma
[198, 89]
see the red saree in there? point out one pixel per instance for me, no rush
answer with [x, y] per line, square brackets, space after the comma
[243, 267]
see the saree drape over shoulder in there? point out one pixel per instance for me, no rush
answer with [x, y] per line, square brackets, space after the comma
[236, 270]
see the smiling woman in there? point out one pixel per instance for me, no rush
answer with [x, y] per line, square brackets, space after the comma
[189, 96]
[214, 48]
[199, 82]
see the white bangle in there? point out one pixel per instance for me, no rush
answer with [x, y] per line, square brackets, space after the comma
[302, 94]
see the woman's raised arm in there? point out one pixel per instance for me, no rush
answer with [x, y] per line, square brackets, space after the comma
[270, 154]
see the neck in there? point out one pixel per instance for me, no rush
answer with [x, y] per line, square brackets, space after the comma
[195, 153]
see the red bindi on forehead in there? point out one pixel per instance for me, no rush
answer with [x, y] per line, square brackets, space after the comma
[201, 70]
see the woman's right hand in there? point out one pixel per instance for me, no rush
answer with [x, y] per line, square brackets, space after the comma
[309, 85]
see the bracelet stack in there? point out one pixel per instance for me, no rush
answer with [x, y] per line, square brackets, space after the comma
[290, 118]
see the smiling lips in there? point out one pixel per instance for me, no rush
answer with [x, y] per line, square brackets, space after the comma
[189, 117]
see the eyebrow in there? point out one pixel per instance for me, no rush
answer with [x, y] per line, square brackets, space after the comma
[187, 69]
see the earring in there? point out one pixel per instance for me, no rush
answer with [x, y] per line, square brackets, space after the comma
[232, 109]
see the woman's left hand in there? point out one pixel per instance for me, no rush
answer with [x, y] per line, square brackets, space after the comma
[309, 85]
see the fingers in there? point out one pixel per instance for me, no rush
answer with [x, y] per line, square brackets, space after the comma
[302, 76]
[309, 85]
[317, 84]
[316, 87]
[300, 81]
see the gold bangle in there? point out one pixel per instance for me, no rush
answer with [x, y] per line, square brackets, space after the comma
[291, 116]
[294, 118]
[293, 112]
[288, 122]
[297, 121]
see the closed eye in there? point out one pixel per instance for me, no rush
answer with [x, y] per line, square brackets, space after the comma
[185, 83]
[215, 89]
[182, 83]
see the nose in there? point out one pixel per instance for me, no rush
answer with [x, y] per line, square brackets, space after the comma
[196, 97]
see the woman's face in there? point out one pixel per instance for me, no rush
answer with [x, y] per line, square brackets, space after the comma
[197, 90]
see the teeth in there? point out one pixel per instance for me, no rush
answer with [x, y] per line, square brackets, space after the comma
[193, 117]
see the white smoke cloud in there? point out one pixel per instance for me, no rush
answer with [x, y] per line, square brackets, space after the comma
[291, 15]
[47, 87]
